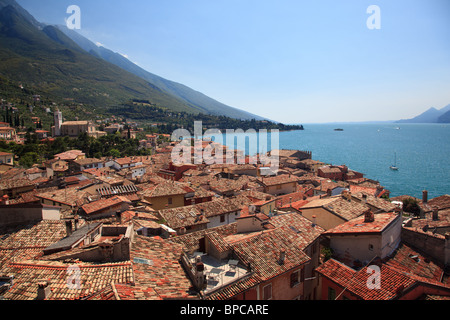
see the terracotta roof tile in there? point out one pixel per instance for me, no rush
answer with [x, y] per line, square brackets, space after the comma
[262, 252]
[278, 180]
[358, 225]
[92, 278]
[103, 204]
[343, 208]
[355, 282]
[162, 271]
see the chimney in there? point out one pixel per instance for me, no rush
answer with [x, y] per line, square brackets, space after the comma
[369, 216]
[424, 196]
[435, 213]
[314, 219]
[200, 273]
[68, 228]
[364, 196]
[328, 192]
[43, 291]
[282, 256]
[119, 216]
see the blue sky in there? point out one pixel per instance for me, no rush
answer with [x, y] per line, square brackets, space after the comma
[292, 61]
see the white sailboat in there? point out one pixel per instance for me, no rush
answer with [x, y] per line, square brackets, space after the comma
[394, 167]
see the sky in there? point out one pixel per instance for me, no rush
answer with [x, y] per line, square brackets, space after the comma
[292, 61]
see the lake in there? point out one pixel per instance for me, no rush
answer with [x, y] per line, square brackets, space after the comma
[422, 152]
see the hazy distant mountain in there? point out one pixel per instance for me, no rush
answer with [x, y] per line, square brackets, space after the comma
[445, 118]
[191, 97]
[432, 115]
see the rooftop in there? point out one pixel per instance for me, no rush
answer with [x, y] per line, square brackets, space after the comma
[68, 196]
[6, 184]
[358, 225]
[156, 266]
[167, 188]
[93, 278]
[28, 241]
[102, 204]
[343, 208]
[355, 282]
[278, 180]
[69, 155]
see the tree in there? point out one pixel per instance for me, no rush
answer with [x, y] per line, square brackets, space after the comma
[411, 205]
[114, 153]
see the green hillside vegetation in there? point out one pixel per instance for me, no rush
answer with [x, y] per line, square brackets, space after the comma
[145, 111]
[33, 151]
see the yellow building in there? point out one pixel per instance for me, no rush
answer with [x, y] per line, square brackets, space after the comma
[165, 196]
[75, 128]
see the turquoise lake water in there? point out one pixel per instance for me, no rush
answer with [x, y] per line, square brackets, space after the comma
[423, 153]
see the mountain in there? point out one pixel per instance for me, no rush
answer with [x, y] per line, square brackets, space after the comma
[191, 97]
[63, 65]
[45, 59]
[22, 12]
[432, 115]
[445, 118]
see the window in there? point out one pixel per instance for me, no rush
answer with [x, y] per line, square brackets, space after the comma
[222, 218]
[295, 278]
[331, 294]
[169, 201]
[267, 292]
[371, 247]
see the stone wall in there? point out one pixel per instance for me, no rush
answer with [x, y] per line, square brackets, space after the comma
[15, 215]
[435, 245]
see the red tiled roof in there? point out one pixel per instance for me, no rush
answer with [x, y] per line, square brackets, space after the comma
[442, 202]
[358, 225]
[164, 273]
[355, 282]
[103, 204]
[69, 196]
[341, 207]
[409, 260]
[368, 190]
[69, 155]
[92, 278]
[166, 188]
[278, 180]
[262, 251]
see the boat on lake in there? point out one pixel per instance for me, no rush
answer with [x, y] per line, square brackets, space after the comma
[394, 166]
